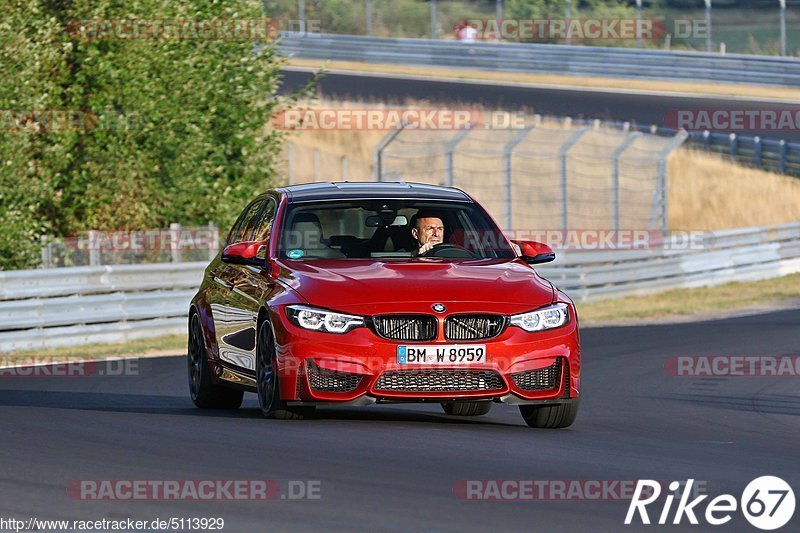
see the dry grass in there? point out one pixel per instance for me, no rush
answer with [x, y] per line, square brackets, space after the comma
[709, 192]
[721, 89]
[706, 191]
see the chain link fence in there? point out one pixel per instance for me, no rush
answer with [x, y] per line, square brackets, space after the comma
[176, 244]
[543, 176]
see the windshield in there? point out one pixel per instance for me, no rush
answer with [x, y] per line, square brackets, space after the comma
[390, 229]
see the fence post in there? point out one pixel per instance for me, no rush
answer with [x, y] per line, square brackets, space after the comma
[449, 149]
[562, 157]
[301, 15]
[317, 170]
[94, 247]
[733, 148]
[508, 151]
[213, 241]
[434, 21]
[706, 140]
[379, 151]
[757, 151]
[290, 161]
[782, 160]
[368, 15]
[345, 168]
[174, 237]
[661, 189]
[783, 27]
[615, 157]
[47, 255]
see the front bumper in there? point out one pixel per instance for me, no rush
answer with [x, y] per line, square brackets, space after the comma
[359, 368]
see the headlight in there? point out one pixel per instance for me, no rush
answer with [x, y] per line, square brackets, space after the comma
[321, 320]
[550, 317]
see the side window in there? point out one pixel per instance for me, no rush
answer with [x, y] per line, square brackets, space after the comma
[246, 221]
[265, 220]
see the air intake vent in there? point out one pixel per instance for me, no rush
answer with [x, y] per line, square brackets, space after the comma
[323, 380]
[542, 379]
[439, 381]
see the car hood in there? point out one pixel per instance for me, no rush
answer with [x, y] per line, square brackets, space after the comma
[372, 287]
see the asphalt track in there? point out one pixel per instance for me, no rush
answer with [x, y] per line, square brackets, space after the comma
[393, 467]
[578, 103]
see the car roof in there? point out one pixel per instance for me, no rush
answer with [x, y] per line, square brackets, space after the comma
[344, 190]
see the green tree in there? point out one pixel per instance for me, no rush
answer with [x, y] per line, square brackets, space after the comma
[167, 130]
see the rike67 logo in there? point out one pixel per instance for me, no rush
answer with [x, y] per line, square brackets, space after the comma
[767, 503]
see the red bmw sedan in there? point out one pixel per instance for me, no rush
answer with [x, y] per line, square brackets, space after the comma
[362, 293]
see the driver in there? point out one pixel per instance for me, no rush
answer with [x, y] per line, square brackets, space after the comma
[428, 230]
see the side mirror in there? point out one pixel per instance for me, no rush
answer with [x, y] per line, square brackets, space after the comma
[245, 253]
[535, 253]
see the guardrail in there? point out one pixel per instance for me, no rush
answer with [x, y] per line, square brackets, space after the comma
[548, 58]
[82, 305]
[116, 303]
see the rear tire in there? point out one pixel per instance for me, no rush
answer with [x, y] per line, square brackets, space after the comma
[550, 416]
[462, 408]
[205, 394]
[268, 384]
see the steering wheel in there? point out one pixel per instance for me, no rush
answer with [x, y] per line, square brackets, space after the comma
[446, 251]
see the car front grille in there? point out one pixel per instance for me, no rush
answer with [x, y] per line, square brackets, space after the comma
[439, 381]
[473, 327]
[406, 327]
[322, 380]
[541, 379]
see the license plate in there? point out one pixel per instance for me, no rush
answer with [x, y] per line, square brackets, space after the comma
[449, 354]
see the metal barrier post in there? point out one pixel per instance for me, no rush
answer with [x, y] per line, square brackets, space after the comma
[733, 145]
[449, 149]
[47, 255]
[782, 160]
[562, 157]
[615, 157]
[434, 22]
[213, 243]
[174, 238]
[368, 15]
[508, 150]
[379, 152]
[661, 188]
[94, 247]
[757, 151]
[290, 161]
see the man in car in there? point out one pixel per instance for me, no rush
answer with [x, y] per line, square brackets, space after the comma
[427, 229]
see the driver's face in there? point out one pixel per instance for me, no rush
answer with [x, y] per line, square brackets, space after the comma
[429, 230]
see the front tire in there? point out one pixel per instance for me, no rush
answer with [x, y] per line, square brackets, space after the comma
[461, 408]
[204, 393]
[550, 416]
[267, 382]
